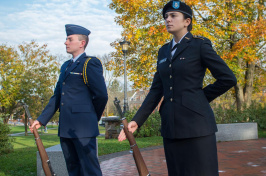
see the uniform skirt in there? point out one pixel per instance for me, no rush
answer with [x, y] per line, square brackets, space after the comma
[192, 156]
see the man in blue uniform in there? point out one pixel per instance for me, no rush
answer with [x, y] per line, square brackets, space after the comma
[81, 96]
[188, 123]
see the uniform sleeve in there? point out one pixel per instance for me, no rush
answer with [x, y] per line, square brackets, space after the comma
[151, 101]
[97, 85]
[225, 79]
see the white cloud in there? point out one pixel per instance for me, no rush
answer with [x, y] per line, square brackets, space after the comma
[44, 21]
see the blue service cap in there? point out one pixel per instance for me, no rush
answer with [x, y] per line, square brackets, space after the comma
[75, 29]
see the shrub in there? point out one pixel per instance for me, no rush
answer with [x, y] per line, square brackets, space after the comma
[254, 113]
[151, 127]
[5, 140]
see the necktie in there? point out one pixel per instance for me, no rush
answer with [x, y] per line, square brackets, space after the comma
[69, 64]
[176, 45]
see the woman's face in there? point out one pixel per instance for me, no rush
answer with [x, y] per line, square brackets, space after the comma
[175, 22]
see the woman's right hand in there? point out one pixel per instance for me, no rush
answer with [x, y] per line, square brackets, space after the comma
[35, 124]
[132, 127]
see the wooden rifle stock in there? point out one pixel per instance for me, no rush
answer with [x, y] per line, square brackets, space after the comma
[46, 165]
[141, 166]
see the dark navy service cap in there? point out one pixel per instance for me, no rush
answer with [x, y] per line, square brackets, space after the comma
[177, 6]
[75, 29]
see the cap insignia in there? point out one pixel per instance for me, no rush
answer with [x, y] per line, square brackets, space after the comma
[176, 4]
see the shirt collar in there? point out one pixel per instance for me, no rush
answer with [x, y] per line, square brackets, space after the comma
[173, 43]
[76, 58]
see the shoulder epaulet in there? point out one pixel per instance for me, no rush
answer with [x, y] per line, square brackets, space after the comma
[198, 37]
[93, 57]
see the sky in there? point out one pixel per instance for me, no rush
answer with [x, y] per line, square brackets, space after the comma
[44, 21]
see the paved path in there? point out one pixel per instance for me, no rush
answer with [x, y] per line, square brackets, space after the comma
[236, 158]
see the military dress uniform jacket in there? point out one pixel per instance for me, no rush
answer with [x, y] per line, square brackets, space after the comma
[80, 106]
[185, 110]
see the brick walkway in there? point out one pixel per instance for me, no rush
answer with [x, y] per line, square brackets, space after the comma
[236, 158]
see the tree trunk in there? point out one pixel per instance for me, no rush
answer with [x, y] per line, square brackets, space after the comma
[5, 119]
[239, 92]
[249, 83]
[244, 93]
[25, 124]
[239, 96]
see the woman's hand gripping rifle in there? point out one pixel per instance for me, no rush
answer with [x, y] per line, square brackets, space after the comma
[141, 166]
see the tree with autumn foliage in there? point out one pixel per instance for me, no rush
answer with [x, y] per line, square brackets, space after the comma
[10, 72]
[26, 75]
[236, 28]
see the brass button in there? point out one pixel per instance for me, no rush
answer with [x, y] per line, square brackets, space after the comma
[171, 99]
[63, 93]
[170, 65]
[64, 83]
[170, 76]
[171, 88]
[62, 104]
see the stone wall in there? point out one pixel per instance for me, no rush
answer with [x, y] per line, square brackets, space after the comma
[237, 131]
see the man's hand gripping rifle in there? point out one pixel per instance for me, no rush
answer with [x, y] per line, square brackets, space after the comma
[46, 165]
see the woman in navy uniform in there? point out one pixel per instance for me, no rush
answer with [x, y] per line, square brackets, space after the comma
[187, 121]
[81, 96]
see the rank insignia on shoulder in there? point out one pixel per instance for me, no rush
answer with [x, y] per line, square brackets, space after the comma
[198, 36]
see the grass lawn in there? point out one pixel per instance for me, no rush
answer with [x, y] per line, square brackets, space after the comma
[23, 160]
[19, 129]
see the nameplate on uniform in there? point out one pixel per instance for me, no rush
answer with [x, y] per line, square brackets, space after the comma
[75, 73]
[162, 61]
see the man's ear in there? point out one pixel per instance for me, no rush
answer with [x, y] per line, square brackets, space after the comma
[83, 42]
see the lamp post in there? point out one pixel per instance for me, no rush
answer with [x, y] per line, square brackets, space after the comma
[42, 110]
[125, 44]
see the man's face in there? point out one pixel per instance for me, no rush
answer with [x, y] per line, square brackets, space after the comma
[73, 45]
[175, 22]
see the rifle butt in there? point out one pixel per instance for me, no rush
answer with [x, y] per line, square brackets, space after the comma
[141, 166]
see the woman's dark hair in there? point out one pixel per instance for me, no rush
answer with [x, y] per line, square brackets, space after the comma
[189, 28]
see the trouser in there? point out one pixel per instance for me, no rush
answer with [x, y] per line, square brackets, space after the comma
[80, 156]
